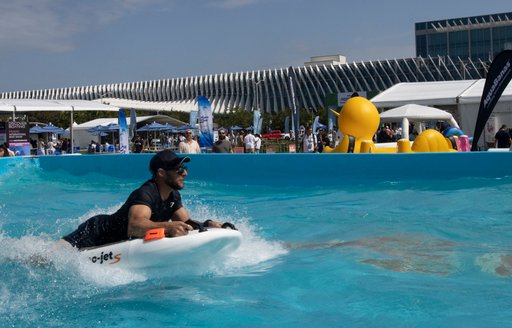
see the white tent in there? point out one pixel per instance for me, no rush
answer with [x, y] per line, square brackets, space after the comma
[461, 98]
[416, 113]
[53, 105]
[422, 93]
[83, 137]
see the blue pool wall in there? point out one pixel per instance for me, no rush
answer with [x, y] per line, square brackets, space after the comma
[287, 169]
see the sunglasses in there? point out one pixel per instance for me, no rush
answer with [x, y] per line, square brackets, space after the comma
[181, 169]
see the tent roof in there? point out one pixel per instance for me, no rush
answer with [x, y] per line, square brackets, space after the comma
[140, 119]
[435, 93]
[38, 105]
[415, 112]
[473, 94]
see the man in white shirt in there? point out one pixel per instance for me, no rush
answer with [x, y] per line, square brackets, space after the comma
[189, 145]
[249, 142]
[309, 144]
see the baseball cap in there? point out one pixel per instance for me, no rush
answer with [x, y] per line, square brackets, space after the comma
[166, 159]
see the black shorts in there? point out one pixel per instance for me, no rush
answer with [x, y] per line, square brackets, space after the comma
[98, 230]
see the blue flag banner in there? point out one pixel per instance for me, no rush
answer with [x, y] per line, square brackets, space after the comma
[331, 118]
[315, 124]
[256, 121]
[193, 118]
[123, 133]
[287, 124]
[205, 122]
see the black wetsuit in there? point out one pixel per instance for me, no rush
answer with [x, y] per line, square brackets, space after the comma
[105, 229]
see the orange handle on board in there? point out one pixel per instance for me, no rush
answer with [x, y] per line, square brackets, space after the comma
[152, 234]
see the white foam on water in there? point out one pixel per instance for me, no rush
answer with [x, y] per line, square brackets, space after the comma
[35, 252]
[496, 263]
[255, 254]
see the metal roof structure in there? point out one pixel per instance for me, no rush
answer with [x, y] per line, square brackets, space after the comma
[266, 89]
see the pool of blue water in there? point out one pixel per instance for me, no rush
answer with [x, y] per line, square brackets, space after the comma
[423, 253]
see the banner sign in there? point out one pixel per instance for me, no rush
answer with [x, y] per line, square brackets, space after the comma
[344, 96]
[133, 123]
[123, 133]
[316, 122]
[498, 77]
[3, 132]
[205, 122]
[193, 118]
[18, 137]
[256, 122]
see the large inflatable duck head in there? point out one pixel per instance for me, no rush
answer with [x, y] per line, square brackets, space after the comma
[358, 121]
[359, 118]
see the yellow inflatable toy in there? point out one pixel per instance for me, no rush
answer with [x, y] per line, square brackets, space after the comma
[359, 120]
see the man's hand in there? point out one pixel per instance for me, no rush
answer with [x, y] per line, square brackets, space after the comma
[177, 228]
[212, 224]
[215, 224]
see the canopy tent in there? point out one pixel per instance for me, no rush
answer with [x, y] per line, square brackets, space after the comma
[416, 113]
[422, 93]
[154, 127]
[53, 105]
[461, 98]
[82, 136]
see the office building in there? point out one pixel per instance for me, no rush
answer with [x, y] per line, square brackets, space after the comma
[479, 38]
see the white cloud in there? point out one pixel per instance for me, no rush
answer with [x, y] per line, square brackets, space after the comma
[50, 25]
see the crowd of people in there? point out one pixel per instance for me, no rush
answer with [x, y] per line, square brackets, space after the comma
[51, 147]
[229, 141]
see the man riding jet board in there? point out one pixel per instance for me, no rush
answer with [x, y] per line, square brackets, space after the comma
[156, 204]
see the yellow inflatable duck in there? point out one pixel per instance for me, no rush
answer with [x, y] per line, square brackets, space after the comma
[359, 120]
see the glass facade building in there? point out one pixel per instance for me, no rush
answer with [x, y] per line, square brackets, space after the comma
[477, 37]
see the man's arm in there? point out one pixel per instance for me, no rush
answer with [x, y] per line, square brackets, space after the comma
[139, 221]
[182, 215]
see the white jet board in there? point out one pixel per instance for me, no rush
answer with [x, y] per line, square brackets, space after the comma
[192, 249]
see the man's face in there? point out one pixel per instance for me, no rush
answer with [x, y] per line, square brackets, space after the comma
[175, 178]
[222, 135]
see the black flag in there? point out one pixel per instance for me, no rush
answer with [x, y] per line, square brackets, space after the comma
[498, 77]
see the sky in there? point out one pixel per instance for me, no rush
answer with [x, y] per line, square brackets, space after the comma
[66, 43]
